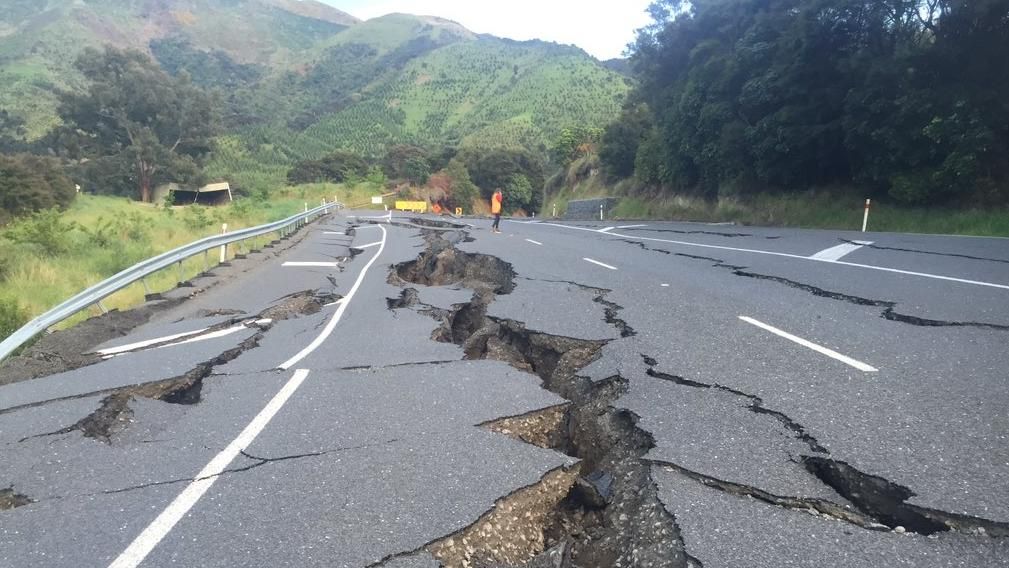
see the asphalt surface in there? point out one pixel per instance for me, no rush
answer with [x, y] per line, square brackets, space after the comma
[332, 429]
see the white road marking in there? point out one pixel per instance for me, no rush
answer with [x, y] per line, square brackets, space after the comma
[147, 343]
[606, 230]
[328, 330]
[138, 550]
[310, 264]
[809, 344]
[332, 233]
[631, 226]
[333, 303]
[796, 256]
[369, 245]
[840, 251]
[599, 263]
[665, 285]
[534, 242]
[213, 335]
[370, 226]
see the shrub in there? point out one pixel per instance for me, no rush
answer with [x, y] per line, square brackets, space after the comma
[31, 183]
[45, 229]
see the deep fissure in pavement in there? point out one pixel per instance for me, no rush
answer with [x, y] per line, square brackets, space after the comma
[610, 515]
[880, 503]
[887, 501]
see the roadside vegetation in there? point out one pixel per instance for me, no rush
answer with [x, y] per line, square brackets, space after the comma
[794, 112]
[50, 255]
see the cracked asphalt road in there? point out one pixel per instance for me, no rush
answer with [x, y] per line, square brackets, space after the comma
[764, 444]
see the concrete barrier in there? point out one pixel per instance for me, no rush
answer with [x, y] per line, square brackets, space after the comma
[588, 209]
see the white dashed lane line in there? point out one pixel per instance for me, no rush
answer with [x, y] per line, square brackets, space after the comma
[810, 345]
[604, 265]
[534, 242]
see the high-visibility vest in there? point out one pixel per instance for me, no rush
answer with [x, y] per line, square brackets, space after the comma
[495, 203]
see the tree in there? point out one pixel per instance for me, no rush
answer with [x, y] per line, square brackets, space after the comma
[335, 167]
[517, 193]
[618, 147]
[903, 97]
[156, 127]
[409, 163]
[32, 183]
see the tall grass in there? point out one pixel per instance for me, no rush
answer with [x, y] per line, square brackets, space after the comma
[99, 236]
[819, 211]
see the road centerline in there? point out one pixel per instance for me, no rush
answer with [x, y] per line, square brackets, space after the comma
[141, 546]
[810, 345]
[534, 242]
[338, 314]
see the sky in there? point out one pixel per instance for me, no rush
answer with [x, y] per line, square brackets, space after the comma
[601, 27]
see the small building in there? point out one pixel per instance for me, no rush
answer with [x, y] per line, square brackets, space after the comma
[210, 194]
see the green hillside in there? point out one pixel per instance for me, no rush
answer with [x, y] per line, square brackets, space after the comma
[39, 39]
[406, 79]
[299, 79]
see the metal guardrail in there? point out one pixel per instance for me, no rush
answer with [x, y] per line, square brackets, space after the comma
[95, 294]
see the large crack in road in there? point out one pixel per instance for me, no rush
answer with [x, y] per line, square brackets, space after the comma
[633, 527]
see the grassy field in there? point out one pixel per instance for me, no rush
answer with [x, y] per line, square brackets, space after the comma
[47, 259]
[819, 211]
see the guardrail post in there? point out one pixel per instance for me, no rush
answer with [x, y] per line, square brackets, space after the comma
[206, 261]
[101, 307]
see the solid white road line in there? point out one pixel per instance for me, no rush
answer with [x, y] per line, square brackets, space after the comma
[631, 226]
[534, 242]
[818, 348]
[149, 342]
[214, 335]
[606, 230]
[328, 330]
[599, 263]
[310, 264]
[837, 253]
[369, 245]
[332, 232]
[370, 226]
[138, 550]
[787, 255]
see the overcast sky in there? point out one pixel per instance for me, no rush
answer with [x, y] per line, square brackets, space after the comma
[601, 27]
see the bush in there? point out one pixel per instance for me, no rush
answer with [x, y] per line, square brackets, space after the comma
[196, 219]
[31, 183]
[45, 229]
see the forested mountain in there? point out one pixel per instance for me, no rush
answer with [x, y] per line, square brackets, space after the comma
[40, 39]
[297, 79]
[904, 99]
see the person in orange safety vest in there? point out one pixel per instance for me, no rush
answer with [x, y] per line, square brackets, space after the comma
[495, 208]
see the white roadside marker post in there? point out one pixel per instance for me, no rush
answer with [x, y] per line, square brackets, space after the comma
[224, 247]
[865, 218]
[555, 211]
[600, 211]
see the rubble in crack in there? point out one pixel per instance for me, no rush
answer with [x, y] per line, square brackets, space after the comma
[298, 304]
[513, 532]
[542, 428]
[631, 527]
[10, 500]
